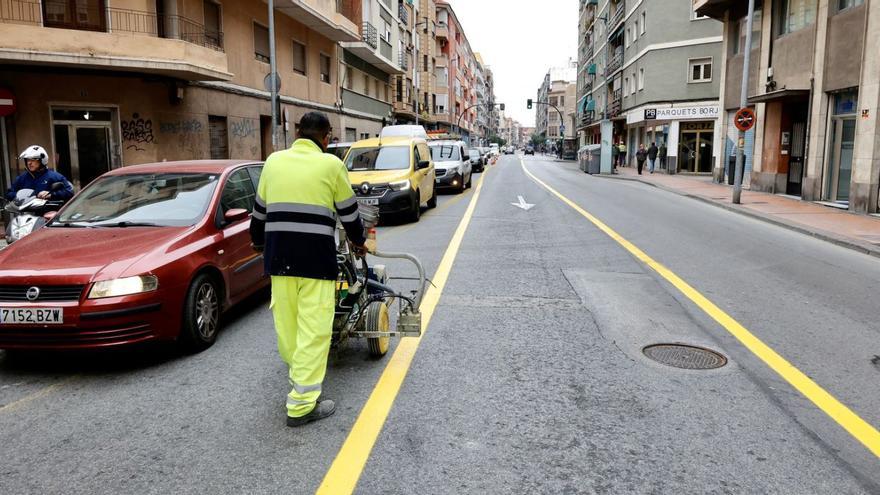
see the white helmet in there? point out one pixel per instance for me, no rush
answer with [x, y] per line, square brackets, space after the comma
[35, 153]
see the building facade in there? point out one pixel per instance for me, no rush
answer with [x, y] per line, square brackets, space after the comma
[649, 69]
[813, 83]
[557, 91]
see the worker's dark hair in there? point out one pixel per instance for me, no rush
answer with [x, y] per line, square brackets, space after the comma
[314, 125]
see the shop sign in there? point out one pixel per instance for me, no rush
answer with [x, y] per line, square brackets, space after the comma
[680, 113]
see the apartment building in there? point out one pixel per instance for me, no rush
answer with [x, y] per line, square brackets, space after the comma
[456, 68]
[369, 67]
[646, 68]
[106, 83]
[552, 97]
[813, 83]
[415, 91]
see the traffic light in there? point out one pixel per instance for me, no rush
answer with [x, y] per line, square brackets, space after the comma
[501, 106]
[529, 104]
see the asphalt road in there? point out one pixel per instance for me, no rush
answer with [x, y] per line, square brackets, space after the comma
[529, 379]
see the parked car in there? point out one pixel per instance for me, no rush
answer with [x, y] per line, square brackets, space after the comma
[453, 164]
[476, 160]
[395, 173]
[339, 149]
[530, 150]
[150, 252]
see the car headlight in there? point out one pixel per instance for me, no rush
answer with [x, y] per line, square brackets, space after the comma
[399, 186]
[124, 286]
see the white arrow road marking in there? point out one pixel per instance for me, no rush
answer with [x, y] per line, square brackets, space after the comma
[522, 204]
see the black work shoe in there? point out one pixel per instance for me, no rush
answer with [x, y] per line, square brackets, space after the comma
[323, 409]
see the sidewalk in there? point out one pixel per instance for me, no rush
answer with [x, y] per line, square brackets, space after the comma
[858, 232]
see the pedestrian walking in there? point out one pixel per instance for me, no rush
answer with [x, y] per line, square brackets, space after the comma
[652, 157]
[641, 155]
[661, 154]
[615, 155]
[302, 192]
[622, 152]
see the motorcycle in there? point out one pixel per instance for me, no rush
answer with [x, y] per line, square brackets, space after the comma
[27, 213]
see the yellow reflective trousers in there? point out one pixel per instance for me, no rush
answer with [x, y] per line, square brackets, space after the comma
[303, 309]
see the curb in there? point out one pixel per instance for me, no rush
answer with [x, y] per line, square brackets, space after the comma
[846, 242]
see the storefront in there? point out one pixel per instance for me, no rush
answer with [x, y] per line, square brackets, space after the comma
[685, 131]
[842, 136]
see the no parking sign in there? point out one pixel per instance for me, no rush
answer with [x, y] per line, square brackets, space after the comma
[7, 102]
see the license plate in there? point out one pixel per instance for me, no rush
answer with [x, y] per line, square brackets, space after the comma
[369, 201]
[31, 316]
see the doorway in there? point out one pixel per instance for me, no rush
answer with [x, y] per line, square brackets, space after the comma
[797, 144]
[695, 148]
[843, 138]
[83, 140]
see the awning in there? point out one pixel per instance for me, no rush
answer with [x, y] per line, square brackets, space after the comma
[591, 105]
[782, 94]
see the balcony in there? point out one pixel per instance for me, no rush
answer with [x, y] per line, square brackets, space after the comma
[375, 50]
[615, 63]
[442, 32]
[717, 8]
[112, 39]
[404, 61]
[587, 118]
[614, 106]
[331, 18]
[365, 104]
[616, 18]
[403, 14]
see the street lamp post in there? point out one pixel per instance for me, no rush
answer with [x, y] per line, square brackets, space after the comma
[273, 76]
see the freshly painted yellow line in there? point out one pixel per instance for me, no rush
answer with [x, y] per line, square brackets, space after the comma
[850, 421]
[36, 395]
[352, 457]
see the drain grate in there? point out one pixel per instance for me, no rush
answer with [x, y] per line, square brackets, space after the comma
[684, 356]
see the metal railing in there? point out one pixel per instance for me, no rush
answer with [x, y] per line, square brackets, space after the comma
[616, 18]
[404, 61]
[615, 63]
[24, 11]
[614, 106]
[402, 14]
[59, 14]
[370, 35]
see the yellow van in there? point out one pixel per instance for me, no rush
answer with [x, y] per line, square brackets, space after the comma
[394, 173]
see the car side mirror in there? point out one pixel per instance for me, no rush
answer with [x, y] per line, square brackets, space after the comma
[49, 215]
[235, 215]
[424, 164]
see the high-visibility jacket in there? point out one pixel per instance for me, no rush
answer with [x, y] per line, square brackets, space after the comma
[301, 194]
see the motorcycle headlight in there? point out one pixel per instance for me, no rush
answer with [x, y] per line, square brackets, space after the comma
[124, 286]
[399, 186]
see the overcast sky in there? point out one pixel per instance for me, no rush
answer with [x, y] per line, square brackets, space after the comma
[520, 40]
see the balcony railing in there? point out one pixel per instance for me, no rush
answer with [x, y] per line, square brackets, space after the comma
[587, 118]
[614, 105]
[616, 18]
[404, 61]
[615, 63]
[403, 14]
[59, 14]
[370, 35]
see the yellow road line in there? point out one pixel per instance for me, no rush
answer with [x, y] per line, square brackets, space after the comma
[343, 475]
[860, 429]
[36, 395]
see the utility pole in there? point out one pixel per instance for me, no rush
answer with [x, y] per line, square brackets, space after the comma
[743, 101]
[273, 76]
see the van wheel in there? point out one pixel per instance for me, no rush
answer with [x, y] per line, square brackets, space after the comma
[416, 212]
[432, 203]
[470, 180]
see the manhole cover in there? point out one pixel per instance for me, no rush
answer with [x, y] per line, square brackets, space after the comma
[685, 356]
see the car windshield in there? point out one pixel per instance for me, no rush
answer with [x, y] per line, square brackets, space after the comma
[445, 153]
[378, 158]
[166, 200]
[474, 154]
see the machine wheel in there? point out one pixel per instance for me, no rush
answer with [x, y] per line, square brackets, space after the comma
[378, 321]
[416, 212]
[432, 203]
[201, 314]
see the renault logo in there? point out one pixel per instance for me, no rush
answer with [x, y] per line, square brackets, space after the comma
[365, 188]
[32, 294]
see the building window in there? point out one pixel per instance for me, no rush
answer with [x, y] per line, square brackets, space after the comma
[378, 95]
[626, 85]
[366, 85]
[427, 68]
[349, 77]
[628, 37]
[633, 83]
[742, 26]
[399, 89]
[795, 15]
[699, 70]
[350, 134]
[636, 30]
[325, 69]
[386, 28]
[261, 43]
[845, 4]
[213, 28]
[641, 79]
[365, 135]
[299, 58]
[644, 21]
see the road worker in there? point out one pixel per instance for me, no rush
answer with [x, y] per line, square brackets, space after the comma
[302, 193]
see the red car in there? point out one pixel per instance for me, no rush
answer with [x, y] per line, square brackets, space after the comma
[150, 252]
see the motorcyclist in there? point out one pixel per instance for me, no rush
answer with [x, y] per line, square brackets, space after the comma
[39, 178]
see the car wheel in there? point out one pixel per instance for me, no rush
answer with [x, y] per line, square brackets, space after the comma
[378, 321]
[201, 314]
[432, 203]
[416, 210]
[470, 180]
